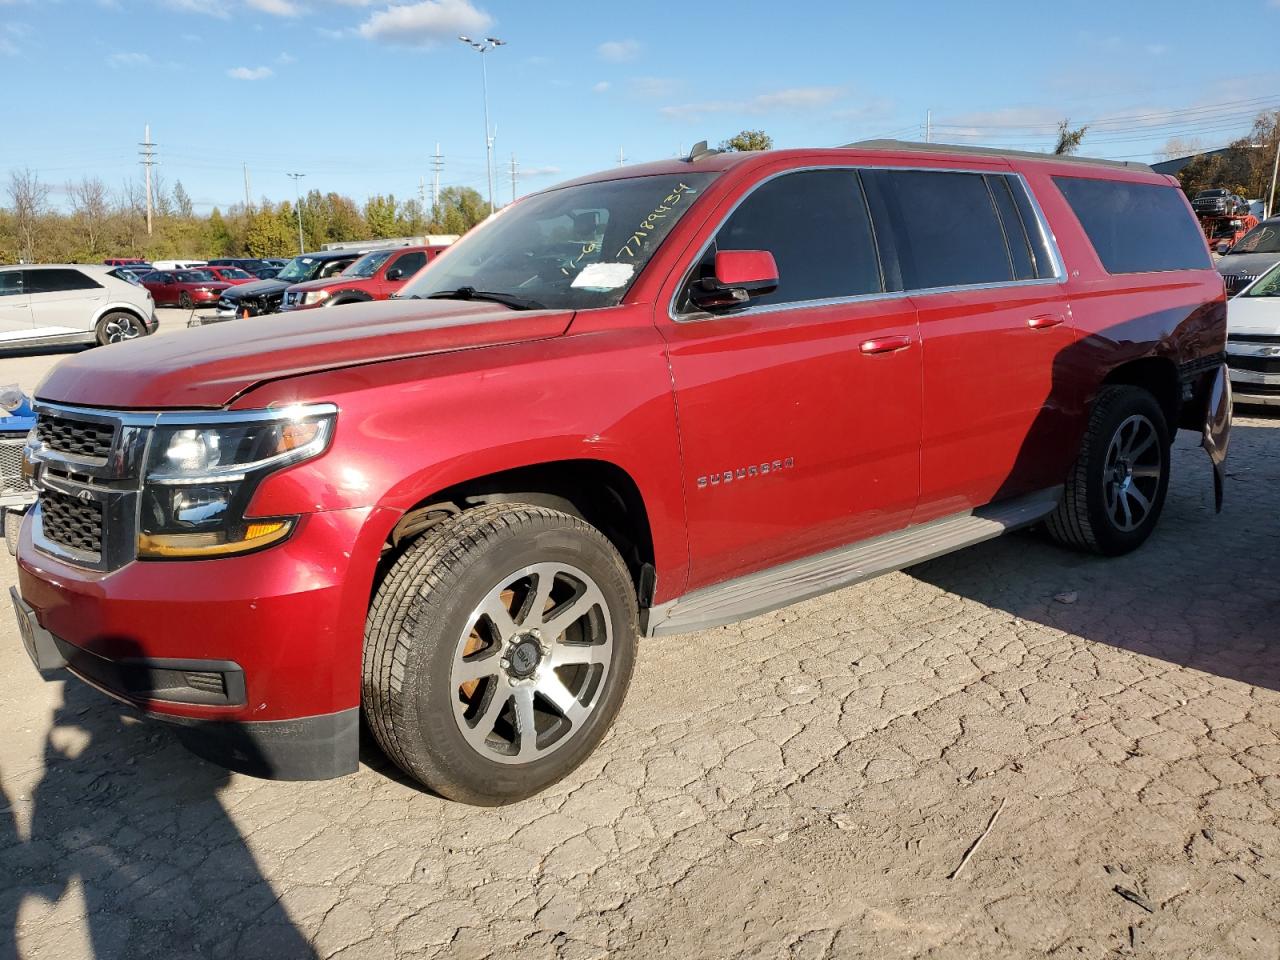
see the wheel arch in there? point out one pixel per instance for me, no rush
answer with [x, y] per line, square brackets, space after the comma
[341, 297]
[119, 307]
[597, 491]
[1159, 377]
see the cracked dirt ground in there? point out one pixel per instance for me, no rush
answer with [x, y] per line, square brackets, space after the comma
[801, 785]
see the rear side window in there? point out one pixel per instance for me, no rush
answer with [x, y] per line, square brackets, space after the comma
[58, 281]
[10, 283]
[945, 227]
[816, 225]
[1136, 227]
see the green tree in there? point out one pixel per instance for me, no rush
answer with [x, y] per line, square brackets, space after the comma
[181, 201]
[380, 216]
[747, 140]
[459, 209]
[271, 232]
[1068, 139]
[218, 237]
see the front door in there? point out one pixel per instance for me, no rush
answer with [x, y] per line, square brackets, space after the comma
[63, 300]
[799, 415]
[15, 306]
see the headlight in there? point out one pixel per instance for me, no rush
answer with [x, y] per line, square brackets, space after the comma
[315, 296]
[200, 480]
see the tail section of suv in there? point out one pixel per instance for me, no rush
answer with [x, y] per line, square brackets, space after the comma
[377, 275]
[643, 402]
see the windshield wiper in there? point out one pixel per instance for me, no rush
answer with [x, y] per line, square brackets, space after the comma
[471, 293]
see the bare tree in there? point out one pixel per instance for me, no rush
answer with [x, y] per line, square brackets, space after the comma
[1176, 148]
[30, 199]
[90, 206]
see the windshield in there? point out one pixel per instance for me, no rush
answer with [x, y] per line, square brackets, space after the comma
[368, 265]
[1267, 285]
[195, 276]
[572, 248]
[299, 268]
[1211, 193]
[1264, 238]
[234, 273]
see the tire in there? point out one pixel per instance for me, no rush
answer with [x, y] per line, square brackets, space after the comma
[456, 725]
[1116, 489]
[119, 326]
[185, 301]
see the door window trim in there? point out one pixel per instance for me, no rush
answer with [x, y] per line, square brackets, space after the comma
[1042, 224]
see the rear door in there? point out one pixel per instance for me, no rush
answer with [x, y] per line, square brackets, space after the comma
[799, 415]
[994, 323]
[15, 306]
[64, 300]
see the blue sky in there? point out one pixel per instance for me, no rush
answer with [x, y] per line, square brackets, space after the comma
[356, 93]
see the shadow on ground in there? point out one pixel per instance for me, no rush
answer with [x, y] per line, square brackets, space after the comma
[133, 821]
[1182, 603]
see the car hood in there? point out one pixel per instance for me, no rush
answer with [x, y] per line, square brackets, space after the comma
[1253, 315]
[209, 366]
[256, 288]
[328, 282]
[1250, 263]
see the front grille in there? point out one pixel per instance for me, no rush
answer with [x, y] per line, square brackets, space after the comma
[71, 522]
[1256, 389]
[1269, 365]
[11, 480]
[1238, 281]
[79, 438]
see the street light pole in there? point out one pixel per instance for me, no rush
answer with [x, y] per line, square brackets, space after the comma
[297, 203]
[484, 47]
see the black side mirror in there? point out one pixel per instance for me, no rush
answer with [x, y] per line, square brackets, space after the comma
[395, 273]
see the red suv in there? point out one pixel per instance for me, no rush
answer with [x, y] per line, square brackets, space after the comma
[375, 276]
[644, 402]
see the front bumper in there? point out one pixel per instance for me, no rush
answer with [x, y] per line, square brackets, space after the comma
[256, 657]
[1254, 363]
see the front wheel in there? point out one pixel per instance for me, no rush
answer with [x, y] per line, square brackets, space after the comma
[498, 650]
[117, 327]
[1116, 490]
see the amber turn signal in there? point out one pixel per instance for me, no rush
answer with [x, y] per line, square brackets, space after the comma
[257, 534]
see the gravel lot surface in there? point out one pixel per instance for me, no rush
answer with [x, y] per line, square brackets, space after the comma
[807, 784]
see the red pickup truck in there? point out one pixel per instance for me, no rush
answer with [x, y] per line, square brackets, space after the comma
[375, 276]
[649, 401]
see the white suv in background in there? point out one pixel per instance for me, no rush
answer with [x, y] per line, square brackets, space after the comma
[56, 304]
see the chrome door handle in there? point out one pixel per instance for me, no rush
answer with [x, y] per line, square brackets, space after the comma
[1044, 321]
[885, 345]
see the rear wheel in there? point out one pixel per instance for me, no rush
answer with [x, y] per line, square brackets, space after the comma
[498, 650]
[119, 326]
[1116, 490]
[185, 301]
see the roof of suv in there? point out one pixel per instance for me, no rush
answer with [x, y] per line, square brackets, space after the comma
[86, 267]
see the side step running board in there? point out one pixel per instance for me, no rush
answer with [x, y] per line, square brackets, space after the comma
[790, 583]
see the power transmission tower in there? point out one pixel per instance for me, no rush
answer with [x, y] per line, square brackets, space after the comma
[302, 247]
[246, 187]
[437, 164]
[148, 154]
[513, 178]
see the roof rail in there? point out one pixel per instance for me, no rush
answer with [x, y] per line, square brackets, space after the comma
[995, 152]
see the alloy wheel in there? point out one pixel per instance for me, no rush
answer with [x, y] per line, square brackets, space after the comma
[122, 328]
[531, 664]
[1132, 472]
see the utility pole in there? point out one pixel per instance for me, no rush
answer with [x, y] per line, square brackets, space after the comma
[422, 191]
[246, 186]
[621, 157]
[298, 205]
[148, 153]
[513, 178]
[490, 43]
[928, 126]
[437, 164]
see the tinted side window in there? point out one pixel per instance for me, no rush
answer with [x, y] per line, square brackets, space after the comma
[1015, 233]
[410, 264]
[944, 225]
[58, 281]
[815, 224]
[10, 283]
[1136, 227]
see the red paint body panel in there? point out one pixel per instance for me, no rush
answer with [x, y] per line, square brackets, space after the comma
[869, 414]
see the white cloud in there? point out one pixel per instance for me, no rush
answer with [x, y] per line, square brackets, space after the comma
[792, 98]
[277, 8]
[601, 87]
[8, 48]
[425, 24]
[210, 8]
[286, 58]
[128, 60]
[618, 51]
[529, 172]
[249, 73]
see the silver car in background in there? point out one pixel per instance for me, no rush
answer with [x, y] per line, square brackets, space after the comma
[59, 304]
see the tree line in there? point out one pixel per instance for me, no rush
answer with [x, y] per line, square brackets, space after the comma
[99, 222]
[1244, 167]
